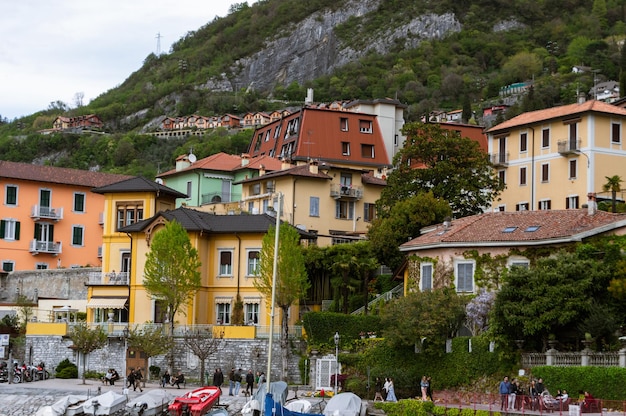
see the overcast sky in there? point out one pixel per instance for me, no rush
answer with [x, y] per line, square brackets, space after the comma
[52, 49]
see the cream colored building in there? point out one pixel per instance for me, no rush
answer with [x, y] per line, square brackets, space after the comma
[333, 201]
[553, 158]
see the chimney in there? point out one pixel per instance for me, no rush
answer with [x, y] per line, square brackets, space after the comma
[261, 170]
[313, 167]
[245, 159]
[309, 96]
[284, 164]
[582, 97]
[182, 162]
[592, 205]
[447, 222]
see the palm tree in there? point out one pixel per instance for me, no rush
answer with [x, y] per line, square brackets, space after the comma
[613, 184]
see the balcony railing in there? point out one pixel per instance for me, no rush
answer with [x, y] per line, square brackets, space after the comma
[219, 197]
[47, 213]
[110, 278]
[342, 191]
[48, 247]
[499, 159]
[569, 146]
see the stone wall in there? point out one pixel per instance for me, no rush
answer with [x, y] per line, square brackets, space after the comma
[50, 283]
[239, 353]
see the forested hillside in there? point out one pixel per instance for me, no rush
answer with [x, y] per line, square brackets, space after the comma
[428, 54]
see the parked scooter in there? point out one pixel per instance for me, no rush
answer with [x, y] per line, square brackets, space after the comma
[17, 373]
[41, 373]
[4, 372]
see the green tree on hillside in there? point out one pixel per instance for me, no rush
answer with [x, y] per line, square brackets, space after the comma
[291, 278]
[172, 270]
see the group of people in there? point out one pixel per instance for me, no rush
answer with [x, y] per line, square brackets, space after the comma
[236, 377]
[134, 379]
[168, 380]
[111, 377]
[385, 390]
[512, 395]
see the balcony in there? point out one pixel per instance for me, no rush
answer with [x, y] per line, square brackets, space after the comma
[219, 197]
[499, 159]
[46, 213]
[339, 191]
[47, 247]
[568, 147]
[111, 278]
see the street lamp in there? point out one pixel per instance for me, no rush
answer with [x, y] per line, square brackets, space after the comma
[125, 333]
[336, 359]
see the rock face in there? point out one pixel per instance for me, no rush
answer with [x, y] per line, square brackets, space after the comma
[312, 49]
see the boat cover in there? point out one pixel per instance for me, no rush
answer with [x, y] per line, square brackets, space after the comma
[59, 407]
[157, 399]
[104, 404]
[343, 404]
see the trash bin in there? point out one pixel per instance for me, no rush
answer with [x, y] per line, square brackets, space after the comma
[574, 410]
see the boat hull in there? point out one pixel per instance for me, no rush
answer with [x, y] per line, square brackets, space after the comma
[195, 403]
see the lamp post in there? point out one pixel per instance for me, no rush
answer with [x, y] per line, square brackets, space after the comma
[336, 359]
[125, 333]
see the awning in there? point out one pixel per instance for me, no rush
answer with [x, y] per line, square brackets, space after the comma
[107, 303]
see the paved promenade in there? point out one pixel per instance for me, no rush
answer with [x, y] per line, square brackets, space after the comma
[25, 399]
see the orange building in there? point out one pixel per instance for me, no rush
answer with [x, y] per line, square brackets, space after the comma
[49, 217]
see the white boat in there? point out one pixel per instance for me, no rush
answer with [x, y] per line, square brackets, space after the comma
[300, 406]
[104, 404]
[279, 392]
[151, 403]
[345, 404]
[218, 412]
[66, 406]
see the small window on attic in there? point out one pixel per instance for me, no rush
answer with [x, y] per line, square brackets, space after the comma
[509, 229]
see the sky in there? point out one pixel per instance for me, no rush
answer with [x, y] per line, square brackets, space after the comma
[50, 50]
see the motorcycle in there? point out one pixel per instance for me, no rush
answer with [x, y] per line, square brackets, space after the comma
[41, 373]
[17, 374]
[4, 372]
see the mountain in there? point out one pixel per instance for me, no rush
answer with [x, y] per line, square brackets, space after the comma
[428, 54]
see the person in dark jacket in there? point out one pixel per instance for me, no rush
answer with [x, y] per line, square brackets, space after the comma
[218, 378]
[249, 383]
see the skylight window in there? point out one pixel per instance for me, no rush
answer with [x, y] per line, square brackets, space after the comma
[532, 229]
[509, 229]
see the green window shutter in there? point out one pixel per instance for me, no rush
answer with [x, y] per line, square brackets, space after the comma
[17, 230]
[2, 226]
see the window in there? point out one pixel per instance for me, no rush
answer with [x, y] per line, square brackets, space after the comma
[253, 262]
[616, 136]
[509, 229]
[251, 313]
[545, 204]
[369, 212]
[255, 189]
[426, 273]
[44, 232]
[8, 266]
[545, 172]
[267, 135]
[573, 164]
[77, 235]
[11, 195]
[502, 177]
[277, 131]
[545, 138]
[344, 210]
[129, 213]
[188, 189]
[523, 142]
[10, 229]
[464, 277]
[571, 202]
[343, 124]
[522, 176]
[79, 202]
[223, 313]
[314, 206]
[226, 263]
[365, 126]
[345, 148]
[266, 204]
[367, 151]
[41, 266]
[531, 228]
[500, 208]
[522, 206]
[519, 263]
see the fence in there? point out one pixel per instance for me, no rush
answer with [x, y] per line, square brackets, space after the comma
[585, 357]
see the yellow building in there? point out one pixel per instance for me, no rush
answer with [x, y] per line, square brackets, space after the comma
[335, 202]
[229, 247]
[125, 203]
[554, 158]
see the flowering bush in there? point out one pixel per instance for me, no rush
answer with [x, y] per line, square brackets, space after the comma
[477, 311]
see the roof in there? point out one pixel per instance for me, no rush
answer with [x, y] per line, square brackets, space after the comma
[301, 171]
[517, 228]
[138, 184]
[51, 174]
[226, 163]
[205, 222]
[533, 117]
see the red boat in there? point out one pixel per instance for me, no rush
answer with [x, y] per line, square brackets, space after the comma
[195, 403]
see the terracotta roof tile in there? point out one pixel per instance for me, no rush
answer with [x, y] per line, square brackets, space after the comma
[536, 227]
[51, 174]
[538, 116]
[226, 163]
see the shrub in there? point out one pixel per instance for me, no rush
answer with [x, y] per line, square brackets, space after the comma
[453, 411]
[439, 411]
[66, 369]
[155, 371]
[91, 374]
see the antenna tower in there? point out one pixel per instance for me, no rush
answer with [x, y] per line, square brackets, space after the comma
[158, 37]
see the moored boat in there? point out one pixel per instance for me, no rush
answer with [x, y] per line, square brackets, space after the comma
[104, 404]
[195, 403]
[345, 404]
[151, 403]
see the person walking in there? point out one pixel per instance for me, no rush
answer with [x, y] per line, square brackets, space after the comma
[218, 378]
[391, 392]
[249, 383]
[231, 381]
[138, 377]
[424, 388]
[503, 389]
[238, 378]
[378, 387]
